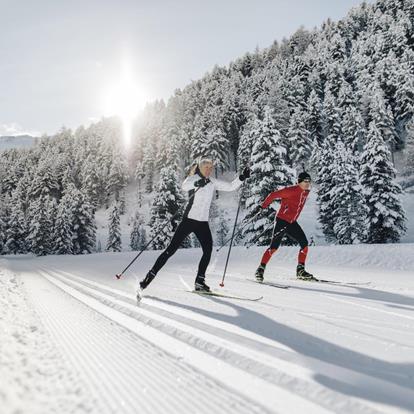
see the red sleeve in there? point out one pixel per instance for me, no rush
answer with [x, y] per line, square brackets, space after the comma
[275, 195]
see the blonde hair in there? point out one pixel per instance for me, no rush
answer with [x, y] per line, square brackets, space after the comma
[199, 163]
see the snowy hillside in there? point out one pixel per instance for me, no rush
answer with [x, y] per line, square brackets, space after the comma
[77, 342]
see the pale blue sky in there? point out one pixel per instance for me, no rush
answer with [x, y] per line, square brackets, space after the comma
[57, 57]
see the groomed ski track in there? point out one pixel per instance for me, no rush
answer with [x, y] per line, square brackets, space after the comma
[162, 358]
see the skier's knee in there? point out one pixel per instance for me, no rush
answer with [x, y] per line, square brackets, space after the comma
[169, 251]
[207, 249]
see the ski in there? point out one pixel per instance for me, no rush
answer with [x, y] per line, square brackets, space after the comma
[273, 284]
[224, 295]
[334, 282]
[217, 294]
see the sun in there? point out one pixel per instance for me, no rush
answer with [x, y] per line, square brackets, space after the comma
[124, 98]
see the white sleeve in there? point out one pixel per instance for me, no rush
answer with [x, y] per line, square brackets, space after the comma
[226, 186]
[188, 183]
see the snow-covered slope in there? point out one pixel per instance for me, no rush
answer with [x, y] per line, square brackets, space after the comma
[312, 348]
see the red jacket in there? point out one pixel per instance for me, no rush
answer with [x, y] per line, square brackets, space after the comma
[293, 199]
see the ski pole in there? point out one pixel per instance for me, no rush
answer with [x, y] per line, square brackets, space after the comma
[238, 231]
[119, 275]
[263, 232]
[232, 236]
[231, 243]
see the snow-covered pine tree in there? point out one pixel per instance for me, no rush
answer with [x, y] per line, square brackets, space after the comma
[167, 201]
[325, 168]
[3, 220]
[380, 113]
[313, 119]
[223, 229]
[404, 94]
[386, 216]
[118, 176]
[63, 235]
[139, 176]
[331, 118]
[84, 227]
[114, 230]
[45, 180]
[91, 180]
[16, 232]
[210, 139]
[300, 144]
[138, 236]
[269, 173]
[346, 196]
[353, 129]
[409, 160]
[40, 226]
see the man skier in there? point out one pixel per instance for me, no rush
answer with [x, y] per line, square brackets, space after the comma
[293, 199]
[201, 189]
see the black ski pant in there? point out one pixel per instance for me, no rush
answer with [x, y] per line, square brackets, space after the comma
[293, 230]
[202, 231]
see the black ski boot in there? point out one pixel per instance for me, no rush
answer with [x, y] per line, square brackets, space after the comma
[259, 273]
[200, 284]
[302, 274]
[147, 280]
[144, 283]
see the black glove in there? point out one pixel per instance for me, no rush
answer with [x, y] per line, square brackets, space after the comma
[201, 183]
[245, 174]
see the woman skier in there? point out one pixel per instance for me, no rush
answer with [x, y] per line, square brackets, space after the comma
[201, 187]
[293, 199]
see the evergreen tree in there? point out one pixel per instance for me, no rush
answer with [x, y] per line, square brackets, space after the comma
[325, 170]
[41, 226]
[138, 234]
[380, 113]
[386, 216]
[91, 180]
[313, 120]
[114, 229]
[350, 210]
[15, 234]
[353, 129]
[168, 200]
[83, 225]
[299, 140]
[118, 176]
[45, 180]
[409, 162]
[222, 229]
[269, 173]
[63, 236]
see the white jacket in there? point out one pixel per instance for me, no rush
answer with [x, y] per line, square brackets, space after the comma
[198, 207]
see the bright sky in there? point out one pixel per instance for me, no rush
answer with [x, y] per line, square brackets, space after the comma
[61, 61]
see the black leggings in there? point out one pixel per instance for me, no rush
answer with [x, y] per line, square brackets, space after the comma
[202, 231]
[293, 230]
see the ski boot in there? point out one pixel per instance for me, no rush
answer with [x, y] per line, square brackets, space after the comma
[144, 283]
[302, 274]
[200, 284]
[259, 273]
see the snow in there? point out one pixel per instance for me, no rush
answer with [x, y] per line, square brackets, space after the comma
[74, 340]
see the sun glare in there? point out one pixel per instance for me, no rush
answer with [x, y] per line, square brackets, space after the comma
[124, 99]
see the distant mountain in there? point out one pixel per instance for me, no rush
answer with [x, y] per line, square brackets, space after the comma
[18, 141]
